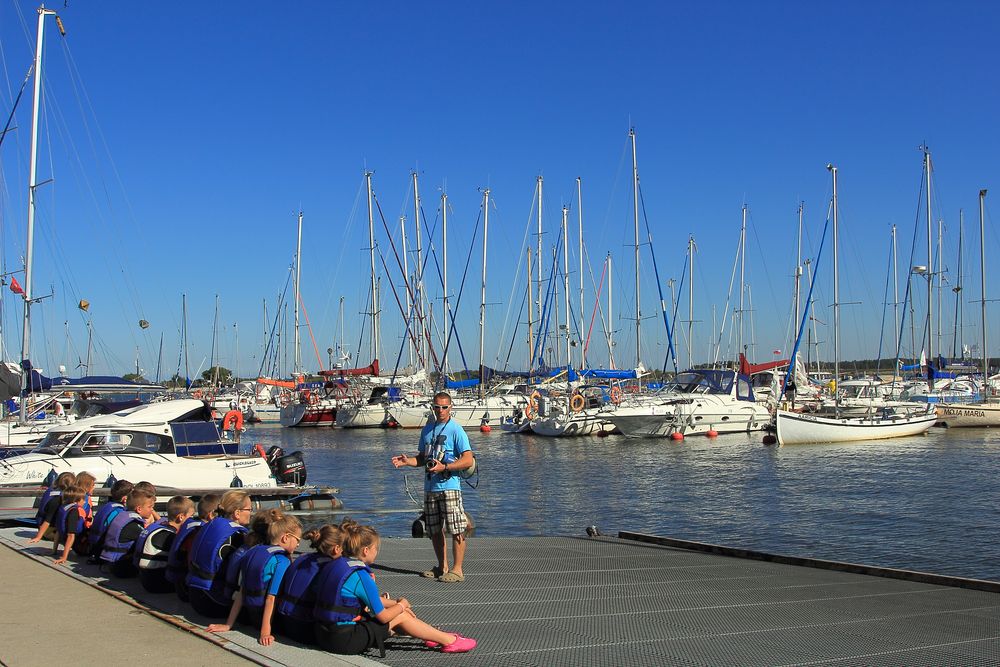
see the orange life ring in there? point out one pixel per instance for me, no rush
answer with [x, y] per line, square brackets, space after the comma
[577, 402]
[616, 395]
[531, 410]
[233, 417]
[259, 448]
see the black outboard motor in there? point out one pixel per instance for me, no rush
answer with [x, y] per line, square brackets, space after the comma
[273, 454]
[290, 469]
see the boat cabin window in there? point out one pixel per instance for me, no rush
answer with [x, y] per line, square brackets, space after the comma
[53, 443]
[102, 443]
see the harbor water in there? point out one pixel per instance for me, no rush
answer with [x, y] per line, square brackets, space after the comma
[927, 503]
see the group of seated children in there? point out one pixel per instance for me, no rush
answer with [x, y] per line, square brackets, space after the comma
[231, 563]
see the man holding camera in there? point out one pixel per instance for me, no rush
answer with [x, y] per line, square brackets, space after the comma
[444, 449]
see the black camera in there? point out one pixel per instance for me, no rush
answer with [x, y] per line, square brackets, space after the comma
[430, 463]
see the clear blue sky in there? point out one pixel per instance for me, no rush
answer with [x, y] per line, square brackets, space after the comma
[183, 139]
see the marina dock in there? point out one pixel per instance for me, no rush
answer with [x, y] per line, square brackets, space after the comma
[582, 601]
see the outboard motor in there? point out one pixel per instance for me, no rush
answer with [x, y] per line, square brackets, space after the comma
[290, 469]
[273, 454]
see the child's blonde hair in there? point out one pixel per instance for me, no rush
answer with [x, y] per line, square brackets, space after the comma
[359, 537]
[232, 501]
[326, 539]
[138, 498]
[86, 481]
[284, 523]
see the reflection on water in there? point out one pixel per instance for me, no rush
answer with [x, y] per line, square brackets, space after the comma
[925, 503]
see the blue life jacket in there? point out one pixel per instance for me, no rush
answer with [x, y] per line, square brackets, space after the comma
[177, 559]
[230, 580]
[49, 494]
[253, 585]
[102, 519]
[298, 595]
[114, 548]
[148, 556]
[331, 607]
[206, 556]
[69, 519]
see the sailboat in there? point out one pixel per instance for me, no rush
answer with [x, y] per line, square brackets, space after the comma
[987, 411]
[793, 428]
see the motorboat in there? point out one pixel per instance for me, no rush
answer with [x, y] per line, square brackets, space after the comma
[696, 402]
[174, 443]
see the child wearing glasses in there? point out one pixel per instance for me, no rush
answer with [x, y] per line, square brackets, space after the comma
[210, 552]
[261, 571]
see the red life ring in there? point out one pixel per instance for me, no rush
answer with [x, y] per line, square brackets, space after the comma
[616, 395]
[531, 410]
[233, 417]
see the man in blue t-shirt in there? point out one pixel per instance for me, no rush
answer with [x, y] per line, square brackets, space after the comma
[444, 449]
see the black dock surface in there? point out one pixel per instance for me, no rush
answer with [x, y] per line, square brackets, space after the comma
[608, 601]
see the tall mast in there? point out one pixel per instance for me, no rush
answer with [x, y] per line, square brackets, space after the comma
[895, 290]
[565, 229]
[798, 267]
[635, 217]
[418, 296]
[579, 215]
[444, 271]
[743, 254]
[611, 328]
[982, 286]
[930, 274]
[482, 294]
[836, 293]
[410, 323]
[956, 346]
[371, 261]
[32, 183]
[691, 247]
[184, 337]
[213, 364]
[538, 253]
[940, 282]
[531, 335]
[297, 362]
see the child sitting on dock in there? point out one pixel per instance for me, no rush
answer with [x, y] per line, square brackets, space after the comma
[49, 504]
[69, 522]
[352, 617]
[262, 569]
[104, 515]
[177, 560]
[148, 486]
[153, 545]
[297, 597]
[87, 482]
[210, 551]
[119, 542]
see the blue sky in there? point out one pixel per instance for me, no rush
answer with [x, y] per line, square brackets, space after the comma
[183, 139]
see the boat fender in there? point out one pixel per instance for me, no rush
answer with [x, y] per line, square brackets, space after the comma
[259, 448]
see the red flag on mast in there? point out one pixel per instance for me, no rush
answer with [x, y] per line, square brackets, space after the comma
[15, 287]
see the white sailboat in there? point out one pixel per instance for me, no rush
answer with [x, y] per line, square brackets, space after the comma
[987, 412]
[794, 428]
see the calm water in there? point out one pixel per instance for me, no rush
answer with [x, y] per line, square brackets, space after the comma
[926, 503]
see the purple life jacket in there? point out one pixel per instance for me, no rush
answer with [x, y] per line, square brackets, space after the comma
[114, 547]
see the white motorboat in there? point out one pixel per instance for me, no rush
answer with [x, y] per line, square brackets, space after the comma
[696, 402]
[173, 443]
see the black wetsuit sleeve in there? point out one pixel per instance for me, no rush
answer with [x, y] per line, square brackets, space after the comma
[162, 539]
[51, 508]
[130, 532]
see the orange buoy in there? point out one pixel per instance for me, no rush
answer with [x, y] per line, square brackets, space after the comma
[485, 428]
[677, 435]
[712, 433]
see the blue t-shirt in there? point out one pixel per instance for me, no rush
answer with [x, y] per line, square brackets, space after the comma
[443, 442]
[361, 587]
[274, 572]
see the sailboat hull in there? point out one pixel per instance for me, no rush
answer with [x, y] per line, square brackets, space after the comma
[983, 415]
[799, 429]
[323, 413]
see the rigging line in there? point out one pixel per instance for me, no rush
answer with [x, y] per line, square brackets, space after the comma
[17, 100]
[274, 327]
[767, 273]
[399, 304]
[406, 281]
[309, 329]
[452, 329]
[427, 336]
[725, 311]
[597, 302]
[548, 306]
[659, 286]
[513, 338]
[885, 299]
[333, 272]
[804, 322]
